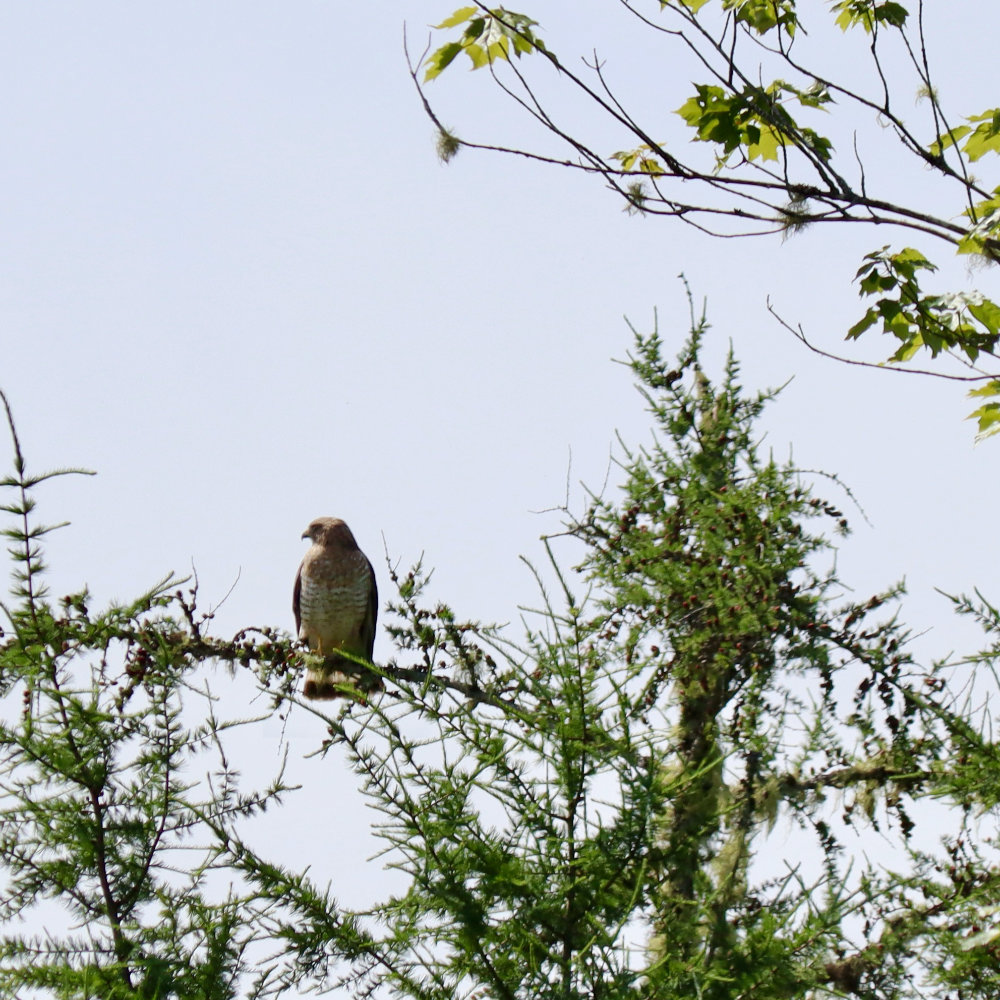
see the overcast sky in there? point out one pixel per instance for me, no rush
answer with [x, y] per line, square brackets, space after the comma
[237, 283]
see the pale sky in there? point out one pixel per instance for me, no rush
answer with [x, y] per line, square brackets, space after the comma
[237, 283]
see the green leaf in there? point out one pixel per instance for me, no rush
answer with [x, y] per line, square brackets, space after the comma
[986, 137]
[487, 37]
[866, 322]
[814, 97]
[626, 159]
[987, 416]
[441, 59]
[944, 141]
[911, 260]
[970, 244]
[763, 15]
[991, 388]
[979, 140]
[988, 313]
[766, 147]
[869, 13]
[819, 144]
[875, 282]
[477, 55]
[712, 113]
[908, 350]
[892, 13]
[459, 17]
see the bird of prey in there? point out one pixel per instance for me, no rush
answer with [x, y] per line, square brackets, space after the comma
[335, 603]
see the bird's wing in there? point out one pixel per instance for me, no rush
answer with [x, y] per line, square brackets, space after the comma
[371, 613]
[297, 601]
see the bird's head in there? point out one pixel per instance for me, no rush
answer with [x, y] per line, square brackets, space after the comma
[329, 531]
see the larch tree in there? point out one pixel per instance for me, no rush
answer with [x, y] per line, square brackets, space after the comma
[696, 769]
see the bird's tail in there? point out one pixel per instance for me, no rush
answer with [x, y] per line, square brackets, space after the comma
[322, 685]
[327, 682]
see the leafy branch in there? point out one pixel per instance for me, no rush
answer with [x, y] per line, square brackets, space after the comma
[773, 168]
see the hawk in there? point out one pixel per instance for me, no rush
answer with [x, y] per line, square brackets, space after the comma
[335, 603]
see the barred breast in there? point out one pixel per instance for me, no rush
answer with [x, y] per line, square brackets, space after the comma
[333, 602]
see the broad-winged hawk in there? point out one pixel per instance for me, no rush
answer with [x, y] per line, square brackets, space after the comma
[335, 604]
